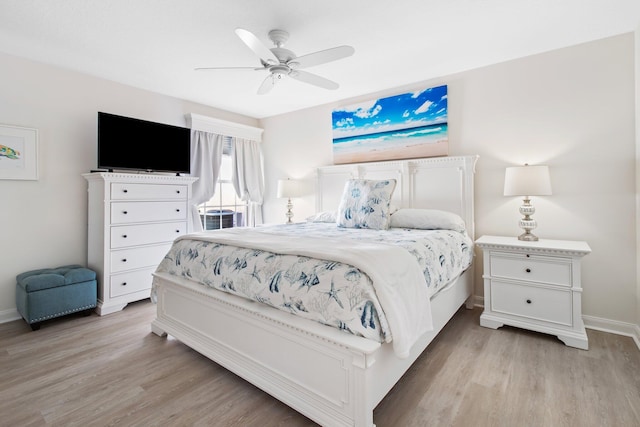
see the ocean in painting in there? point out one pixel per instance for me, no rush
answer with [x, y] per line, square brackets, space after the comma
[406, 126]
[391, 140]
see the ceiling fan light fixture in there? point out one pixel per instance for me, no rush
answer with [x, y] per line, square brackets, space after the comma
[279, 69]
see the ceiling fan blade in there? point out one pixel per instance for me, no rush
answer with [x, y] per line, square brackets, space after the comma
[228, 68]
[265, 55]
[313, 79]
[323, 56]
[267, 84]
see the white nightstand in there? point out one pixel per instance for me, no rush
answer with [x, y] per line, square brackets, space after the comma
[534, 285]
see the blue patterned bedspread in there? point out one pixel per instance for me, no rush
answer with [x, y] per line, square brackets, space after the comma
[323, 290]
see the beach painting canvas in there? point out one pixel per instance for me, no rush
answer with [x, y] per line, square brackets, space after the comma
[407, 126]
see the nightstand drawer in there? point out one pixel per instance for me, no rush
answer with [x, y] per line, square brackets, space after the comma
[547, 305]
[540, 269]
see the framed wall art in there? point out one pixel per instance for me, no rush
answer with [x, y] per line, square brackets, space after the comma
[18, 153]
[407, 126]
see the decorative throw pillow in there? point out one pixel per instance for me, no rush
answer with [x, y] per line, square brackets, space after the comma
[365, 204]
[427, 219]
[326, 216]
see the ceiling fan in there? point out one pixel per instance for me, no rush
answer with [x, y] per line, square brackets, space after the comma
[280, 62]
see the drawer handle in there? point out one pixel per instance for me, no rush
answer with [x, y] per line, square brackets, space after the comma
[527, 255]
[125, 212]
[177, 210]
[528, 301]
[124, 283]
[177, 231]
[124, 260]
[125, 191]
[528, 270]
[124, 236]
[178, 191]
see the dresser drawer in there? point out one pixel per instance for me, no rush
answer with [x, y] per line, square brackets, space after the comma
[123, 236]
[132, 258]
[128, 212]
[133, 281]
[532, 268]
[548, 305]
[124, 191]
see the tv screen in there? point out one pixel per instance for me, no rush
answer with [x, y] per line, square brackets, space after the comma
[134, 144]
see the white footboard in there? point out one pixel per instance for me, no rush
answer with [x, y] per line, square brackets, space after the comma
[333, 378]
[321, 374]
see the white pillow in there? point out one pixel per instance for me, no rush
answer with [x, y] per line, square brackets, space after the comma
[365, 204]
[427, 219]
[327, 216]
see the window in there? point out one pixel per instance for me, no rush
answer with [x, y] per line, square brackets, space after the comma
[224, 209]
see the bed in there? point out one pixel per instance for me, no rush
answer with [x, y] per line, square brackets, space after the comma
[326, 369]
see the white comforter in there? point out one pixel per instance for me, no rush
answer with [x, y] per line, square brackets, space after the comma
[397, 278]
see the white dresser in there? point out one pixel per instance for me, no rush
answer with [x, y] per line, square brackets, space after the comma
[534, 285]
[133, 219]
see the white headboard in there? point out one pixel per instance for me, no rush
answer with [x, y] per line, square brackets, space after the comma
[444, 183]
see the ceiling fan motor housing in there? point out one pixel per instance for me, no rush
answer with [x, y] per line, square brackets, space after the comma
[278, 37]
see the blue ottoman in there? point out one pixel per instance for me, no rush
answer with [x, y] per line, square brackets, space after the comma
[53, 292]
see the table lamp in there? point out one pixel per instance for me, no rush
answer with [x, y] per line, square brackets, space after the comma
[287, 189]
[527, 181]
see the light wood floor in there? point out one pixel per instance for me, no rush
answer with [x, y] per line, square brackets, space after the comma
[112, 371]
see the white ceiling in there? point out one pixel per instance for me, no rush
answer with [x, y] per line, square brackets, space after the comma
[156, 44]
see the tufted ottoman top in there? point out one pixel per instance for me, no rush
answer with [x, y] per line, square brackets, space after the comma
[37, 280]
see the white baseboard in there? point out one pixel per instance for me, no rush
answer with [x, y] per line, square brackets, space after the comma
[599, 324]
[479, 301]
[9, 315]
[614, 327]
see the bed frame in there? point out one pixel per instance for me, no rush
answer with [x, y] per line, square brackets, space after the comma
[334, 378]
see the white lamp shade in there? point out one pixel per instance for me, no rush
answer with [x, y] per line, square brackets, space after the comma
[288, 188]
[527, 181]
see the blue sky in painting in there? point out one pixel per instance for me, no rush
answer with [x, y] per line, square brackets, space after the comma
[408, 110]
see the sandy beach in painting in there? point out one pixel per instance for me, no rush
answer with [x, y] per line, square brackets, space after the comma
[413, 151]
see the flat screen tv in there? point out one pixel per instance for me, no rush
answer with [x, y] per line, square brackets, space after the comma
[134, 144]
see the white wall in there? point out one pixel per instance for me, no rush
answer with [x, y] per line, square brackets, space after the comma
[293, 146]
[637, 46]
[572, 109]
[44, 222]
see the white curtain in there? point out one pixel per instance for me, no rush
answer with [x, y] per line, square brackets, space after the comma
[206, 157]
[248, 178]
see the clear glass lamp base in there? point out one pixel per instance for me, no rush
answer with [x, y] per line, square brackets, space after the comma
[289, 212]
[527, 223]
[527, 236]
